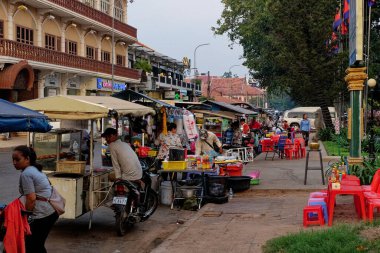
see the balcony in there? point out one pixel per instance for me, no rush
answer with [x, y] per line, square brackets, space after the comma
[39, 54]
[175, 83]
[96, 15]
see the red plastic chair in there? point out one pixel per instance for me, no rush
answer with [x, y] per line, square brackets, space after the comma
[374, 184]
[291, 150]
[275, 138]
[267, 145]
[302, 147]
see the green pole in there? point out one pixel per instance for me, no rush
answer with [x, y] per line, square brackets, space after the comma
[355, 79]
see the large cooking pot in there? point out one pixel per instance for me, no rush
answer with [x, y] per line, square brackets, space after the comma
[239, 183]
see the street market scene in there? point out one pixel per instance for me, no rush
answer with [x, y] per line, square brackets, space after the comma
[267, 140]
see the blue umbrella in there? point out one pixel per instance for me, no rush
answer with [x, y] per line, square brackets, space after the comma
[15, 118]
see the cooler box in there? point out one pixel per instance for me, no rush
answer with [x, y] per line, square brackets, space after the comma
[234, 169]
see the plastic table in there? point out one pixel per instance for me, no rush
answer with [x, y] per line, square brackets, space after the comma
[356, 191]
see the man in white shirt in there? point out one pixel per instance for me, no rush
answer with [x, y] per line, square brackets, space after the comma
[125, 162]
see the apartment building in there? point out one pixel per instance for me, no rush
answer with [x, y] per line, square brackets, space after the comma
[166, 80]
[64, 47]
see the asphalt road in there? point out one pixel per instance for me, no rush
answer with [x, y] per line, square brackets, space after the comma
[74, 235]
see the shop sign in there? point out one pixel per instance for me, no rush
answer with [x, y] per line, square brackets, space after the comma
[52, 80]
[169, 94]
[103, 84]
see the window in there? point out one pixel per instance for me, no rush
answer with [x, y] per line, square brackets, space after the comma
[120, 60]
[106, 56]
[105, 6]
[1, 29]
[52, 42]
[71, 47]
[91, 53]
[118, 10]
[24, 35]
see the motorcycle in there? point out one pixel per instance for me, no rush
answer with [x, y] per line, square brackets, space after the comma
[133, 203]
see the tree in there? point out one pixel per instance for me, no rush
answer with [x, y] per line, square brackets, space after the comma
[285, 43]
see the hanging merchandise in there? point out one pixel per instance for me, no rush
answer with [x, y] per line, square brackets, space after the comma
[164, 127]
[149, 128]
[189, 125]
[179, 123]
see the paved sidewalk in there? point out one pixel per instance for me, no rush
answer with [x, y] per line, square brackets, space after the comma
[245, 223]
[8, 145]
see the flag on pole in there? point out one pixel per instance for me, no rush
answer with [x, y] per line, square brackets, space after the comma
[337, 20]
[346, 17]
[346, 11]
[371, 3]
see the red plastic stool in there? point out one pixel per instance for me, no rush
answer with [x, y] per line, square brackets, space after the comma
[371, 204]
[310, 221]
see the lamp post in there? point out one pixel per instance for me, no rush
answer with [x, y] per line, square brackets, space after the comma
[229, 71]
[371, 145]
[195, 55]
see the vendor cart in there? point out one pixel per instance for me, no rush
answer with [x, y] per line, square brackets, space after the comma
[84, 188]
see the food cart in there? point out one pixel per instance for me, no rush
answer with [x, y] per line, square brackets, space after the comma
[84, 189]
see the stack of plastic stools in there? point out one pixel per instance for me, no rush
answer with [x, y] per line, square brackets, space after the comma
[308, 216]
[319, 202]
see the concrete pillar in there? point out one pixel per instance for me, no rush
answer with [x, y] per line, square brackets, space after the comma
[41, 86]
[63, 37]
[39, 30]
[355, 81]
[10, 35]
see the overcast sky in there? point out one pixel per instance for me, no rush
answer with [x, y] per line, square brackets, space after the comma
[176, 27]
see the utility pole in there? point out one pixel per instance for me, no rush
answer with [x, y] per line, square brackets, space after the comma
[208, 85]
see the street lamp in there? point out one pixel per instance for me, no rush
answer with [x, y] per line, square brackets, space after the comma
[371, 84]
[195, 62]
[229, 71]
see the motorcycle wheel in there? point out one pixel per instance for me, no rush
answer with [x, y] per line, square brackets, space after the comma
[121, 223]
[152, 203]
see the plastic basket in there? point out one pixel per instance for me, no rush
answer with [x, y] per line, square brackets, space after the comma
[143, 151]
[235, 169]
[255, 181]
[77, 167]
[174, 165]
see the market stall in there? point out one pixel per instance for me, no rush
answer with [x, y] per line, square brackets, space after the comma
[146, 139]
[84, 188]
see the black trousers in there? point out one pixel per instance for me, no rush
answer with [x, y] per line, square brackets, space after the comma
[40, 228]
[305, 135]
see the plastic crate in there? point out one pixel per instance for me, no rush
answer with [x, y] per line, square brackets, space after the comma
[174, 165]
[77, 167]
[152, 153]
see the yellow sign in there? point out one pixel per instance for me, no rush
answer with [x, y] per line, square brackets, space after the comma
[186, 62]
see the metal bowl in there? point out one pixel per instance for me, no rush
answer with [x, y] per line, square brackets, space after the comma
[188, 192]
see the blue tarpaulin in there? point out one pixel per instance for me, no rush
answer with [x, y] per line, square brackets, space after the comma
[15, 118]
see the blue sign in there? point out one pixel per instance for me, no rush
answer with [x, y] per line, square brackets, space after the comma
[102, 84]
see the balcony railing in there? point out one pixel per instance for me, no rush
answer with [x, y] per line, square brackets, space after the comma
[39, 54]
[96, 15]
[176, 83]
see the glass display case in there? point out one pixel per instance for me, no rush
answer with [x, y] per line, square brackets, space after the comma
[59, 145]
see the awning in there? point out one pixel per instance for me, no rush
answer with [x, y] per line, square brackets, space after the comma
[85, 107]
[223, 114]
[229, 107]
[132, 96]
[15, 118]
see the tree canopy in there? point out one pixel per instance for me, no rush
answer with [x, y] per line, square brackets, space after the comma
[287, 45]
